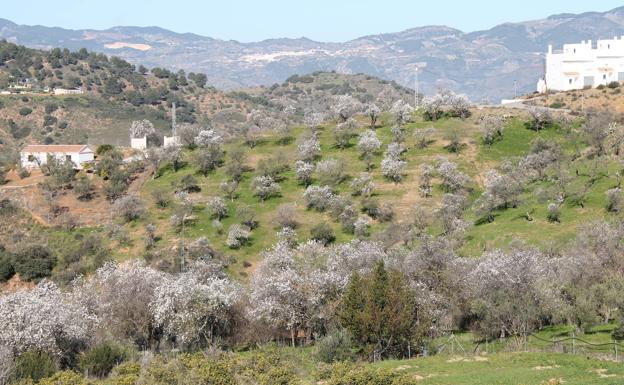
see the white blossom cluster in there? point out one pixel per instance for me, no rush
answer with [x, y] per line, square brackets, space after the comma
[42, 319]
[141, 128]
[392, 165]
[446, 102]
[208, 138]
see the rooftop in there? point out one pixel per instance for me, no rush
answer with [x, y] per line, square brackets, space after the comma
[62, 148]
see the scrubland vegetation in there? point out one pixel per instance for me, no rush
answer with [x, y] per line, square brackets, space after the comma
[303, 243]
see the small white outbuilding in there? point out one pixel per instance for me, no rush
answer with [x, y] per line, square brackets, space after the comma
[35, 155]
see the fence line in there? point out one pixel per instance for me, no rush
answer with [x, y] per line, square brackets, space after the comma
[568, 345]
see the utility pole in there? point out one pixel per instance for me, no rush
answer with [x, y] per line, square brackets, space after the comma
[173, 119]
[515, 89]
[416, 86]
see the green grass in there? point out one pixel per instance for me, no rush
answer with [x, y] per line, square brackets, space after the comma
[510, 368]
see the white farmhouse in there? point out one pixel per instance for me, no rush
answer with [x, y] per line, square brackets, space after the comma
[35, 155]
[68, 91]
[583, 65]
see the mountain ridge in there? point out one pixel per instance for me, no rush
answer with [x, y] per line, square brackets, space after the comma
[482, 64]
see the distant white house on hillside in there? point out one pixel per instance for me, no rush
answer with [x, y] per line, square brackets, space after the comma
[138, 143]
[68, 91]
[35, 155]
[583, 65]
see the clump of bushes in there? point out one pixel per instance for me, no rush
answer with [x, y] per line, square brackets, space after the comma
[25, 111]
[334, 347]
[34, 262]
[101, 359]
[323, 233]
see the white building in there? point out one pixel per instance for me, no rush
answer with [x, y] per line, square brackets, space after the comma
[68, 91]
[138, 143]
[171, 141]
[583, 65]
[33, 156]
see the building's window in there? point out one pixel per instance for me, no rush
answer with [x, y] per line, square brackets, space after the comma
[604, 77]
[608, 46]
[68, 158]
[570, 81]
[574, 50]
[31, 158]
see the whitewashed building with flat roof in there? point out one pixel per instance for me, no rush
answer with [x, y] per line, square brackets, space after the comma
[35, 155]
[586, 64]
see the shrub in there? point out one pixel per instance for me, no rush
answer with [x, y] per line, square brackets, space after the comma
[323, 233]
[50, 107]
[49, 120]
[217, 207]
[349, 374]
[238, 236]
[614, 200]
[161, 197]
[371, 207]
[330, 171]
[33, 365]
[286, 216]
[129, 208]
[104, 149]
[334, 347]
[304, 171]
[247, 216]
[361, 228]
[618, 333]
[554, 212]
[392, 168]
[23, 173]
[83, 187]
[6, 265]
[385, 212]
[25, 111]
[34, 262]
[613, 84]
[363, 185]
[347, 218]
[265, 187]
[66, 377]
[189, 184]
[101, 359]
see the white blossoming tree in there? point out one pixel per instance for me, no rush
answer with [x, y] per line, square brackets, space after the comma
[368, 145]
[193, 308]
[43, 318]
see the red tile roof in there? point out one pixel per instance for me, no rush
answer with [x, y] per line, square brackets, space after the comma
[62, 148]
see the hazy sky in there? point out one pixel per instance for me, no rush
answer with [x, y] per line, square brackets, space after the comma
[324, 20]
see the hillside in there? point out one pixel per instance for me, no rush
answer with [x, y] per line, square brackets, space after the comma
[494, 232]
[482, 64]
[115, 93]
[474, 158]
[601, 98]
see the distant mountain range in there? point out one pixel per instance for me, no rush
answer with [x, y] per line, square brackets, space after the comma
[482, 64]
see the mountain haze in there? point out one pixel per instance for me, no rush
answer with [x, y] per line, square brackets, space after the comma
[482, 64]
